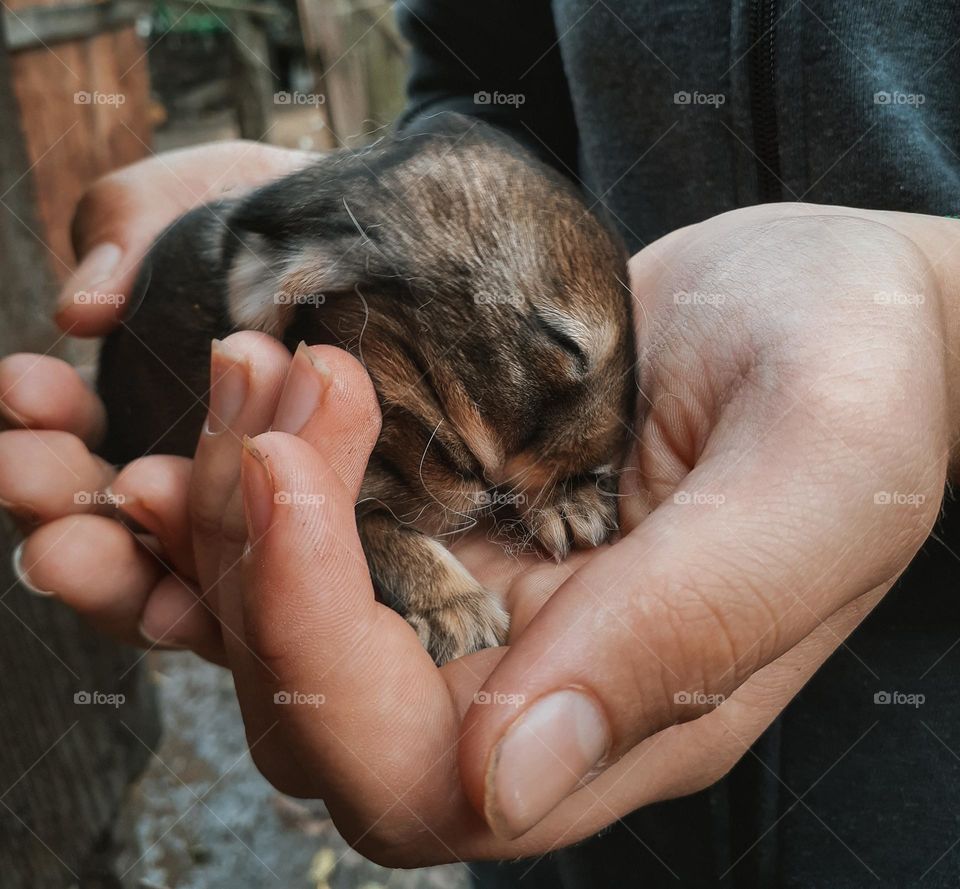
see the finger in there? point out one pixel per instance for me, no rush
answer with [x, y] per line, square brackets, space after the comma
[99, 569]
[350, 420]
[665, 624]
[46, 474]
[247, 374]
[319, 376]
[96, 567]
[154, 492]
[689, 757]
[42, 392]
[119, 217]
[315, 633]
[327, 398]
[175, 615]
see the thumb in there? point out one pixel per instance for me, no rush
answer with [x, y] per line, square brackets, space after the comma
[661, 628]
[114, 226]
[122, 213]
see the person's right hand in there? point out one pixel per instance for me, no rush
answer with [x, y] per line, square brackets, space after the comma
[122, 213]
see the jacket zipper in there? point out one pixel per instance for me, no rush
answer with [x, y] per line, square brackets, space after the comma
[763, 98]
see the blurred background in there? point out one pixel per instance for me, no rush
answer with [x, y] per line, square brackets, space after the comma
[146, 783]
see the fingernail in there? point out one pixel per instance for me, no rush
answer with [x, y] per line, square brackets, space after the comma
[152, 638]
[230, 381]
[16, 561]
[308, 380]
[97, 266]
[136, 518]
[257, 491]
[542, 758]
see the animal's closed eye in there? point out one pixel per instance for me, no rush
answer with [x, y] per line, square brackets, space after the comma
[563, 332]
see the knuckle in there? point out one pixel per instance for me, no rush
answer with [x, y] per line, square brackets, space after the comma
[271, 652]
[99, 206]
[704, 645]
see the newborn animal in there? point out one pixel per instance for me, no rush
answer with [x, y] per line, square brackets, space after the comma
[488, 306]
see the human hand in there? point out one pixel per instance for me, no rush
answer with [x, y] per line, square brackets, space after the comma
[160, 589]
[122, 213]
[376, 743]
[789, 465]
[48, 470]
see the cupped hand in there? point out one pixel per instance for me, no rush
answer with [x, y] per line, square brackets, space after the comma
[789, 462]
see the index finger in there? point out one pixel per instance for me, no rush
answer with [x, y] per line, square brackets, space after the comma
[121, 214]
[355, 692]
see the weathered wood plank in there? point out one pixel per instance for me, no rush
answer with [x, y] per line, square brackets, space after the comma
[64, 765]
[40, 25]
[253, 80]
[84, 111]
[358, 62]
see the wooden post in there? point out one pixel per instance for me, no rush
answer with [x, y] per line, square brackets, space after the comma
[359, 64]
[254, 83]
[64, 764]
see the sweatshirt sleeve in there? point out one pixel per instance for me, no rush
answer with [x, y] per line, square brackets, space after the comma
[498, 60]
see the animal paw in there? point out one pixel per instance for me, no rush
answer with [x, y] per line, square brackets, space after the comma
[466, 621]
[583, 515]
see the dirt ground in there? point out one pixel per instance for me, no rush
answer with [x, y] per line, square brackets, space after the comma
[292, 126]
[202, 817]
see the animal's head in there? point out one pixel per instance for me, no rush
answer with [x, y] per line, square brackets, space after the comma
[489, 305]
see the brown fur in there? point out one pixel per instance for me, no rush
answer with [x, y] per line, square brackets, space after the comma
[489, 307]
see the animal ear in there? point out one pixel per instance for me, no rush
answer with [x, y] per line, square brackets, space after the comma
[266, 281]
